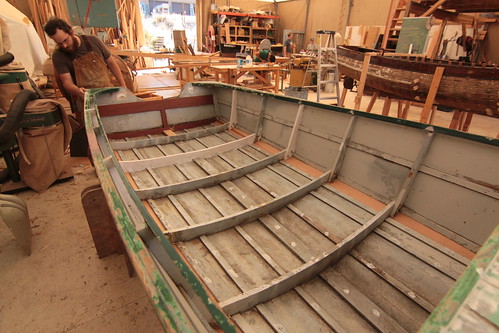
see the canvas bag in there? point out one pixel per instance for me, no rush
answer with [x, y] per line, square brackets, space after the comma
[15, 81]
[42, 149]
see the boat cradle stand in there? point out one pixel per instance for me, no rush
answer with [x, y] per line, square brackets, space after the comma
[106, 238]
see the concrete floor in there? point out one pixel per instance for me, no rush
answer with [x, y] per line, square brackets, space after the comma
[63, 286]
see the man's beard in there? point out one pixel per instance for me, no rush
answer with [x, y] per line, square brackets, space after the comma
[74, 46]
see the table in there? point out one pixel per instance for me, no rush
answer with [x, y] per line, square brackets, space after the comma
[231, 73]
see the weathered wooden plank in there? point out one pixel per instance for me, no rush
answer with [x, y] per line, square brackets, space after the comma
[207, 181]
[185, 157]
[342, 149]
[244, 216]
[373, 313]
[163, 140]
[310, 269]
[396, 304]
[406, 187]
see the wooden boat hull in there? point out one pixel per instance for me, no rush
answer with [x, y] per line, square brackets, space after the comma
[245, 210]
[465, 88]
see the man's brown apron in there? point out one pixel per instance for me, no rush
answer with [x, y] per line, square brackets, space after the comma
[91, 71]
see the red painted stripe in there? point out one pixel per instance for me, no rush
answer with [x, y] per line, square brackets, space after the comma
[144, 106]
[131, 134]
[159, 130]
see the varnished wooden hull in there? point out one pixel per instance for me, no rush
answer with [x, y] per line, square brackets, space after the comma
[465, 88]
[245, 210]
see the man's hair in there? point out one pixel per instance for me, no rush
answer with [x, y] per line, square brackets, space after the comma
[56, 23]
[290, 34]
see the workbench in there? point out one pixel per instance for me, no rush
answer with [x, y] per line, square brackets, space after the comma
[231, 73]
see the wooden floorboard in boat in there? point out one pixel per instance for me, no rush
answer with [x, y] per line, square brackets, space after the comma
[244, 257]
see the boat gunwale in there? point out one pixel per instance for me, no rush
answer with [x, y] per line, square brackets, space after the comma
[126, 222]
[353, 112]
[146, 214]
[422, 64]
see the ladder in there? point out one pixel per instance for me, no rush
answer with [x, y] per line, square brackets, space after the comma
[398, 10]
[327, 64]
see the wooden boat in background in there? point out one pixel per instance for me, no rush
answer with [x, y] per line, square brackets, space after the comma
[462, 87]
[245, 210]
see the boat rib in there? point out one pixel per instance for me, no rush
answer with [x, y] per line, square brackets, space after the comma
[258, 212]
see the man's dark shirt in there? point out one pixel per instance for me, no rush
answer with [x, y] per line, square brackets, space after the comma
[288, 46]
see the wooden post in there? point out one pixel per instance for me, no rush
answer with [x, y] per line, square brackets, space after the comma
[399, 108]
[343, 96]
[466, 125]
[362, 82]
[432, 114]
[433, 8]
[386, 106]
[430, 98]
[435, 42]
[455, 119]
[405, 112]
[372, 101]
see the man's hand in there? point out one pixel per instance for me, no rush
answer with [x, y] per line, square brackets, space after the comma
[81, 92]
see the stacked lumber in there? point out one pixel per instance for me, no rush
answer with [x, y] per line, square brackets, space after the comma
[42, 11]
[131, 29]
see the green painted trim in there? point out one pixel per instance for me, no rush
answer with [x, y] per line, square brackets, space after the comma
[448, 306]
[12, 77]
[161, 293]
[129, 229]
[408, 123]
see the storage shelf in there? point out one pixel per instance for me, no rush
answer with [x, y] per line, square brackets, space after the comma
[233, 33]
[245, 15]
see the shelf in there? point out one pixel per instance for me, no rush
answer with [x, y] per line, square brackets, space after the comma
[245, 15]
[231, 32]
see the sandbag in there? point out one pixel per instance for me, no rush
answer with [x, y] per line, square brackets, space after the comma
[42, 149]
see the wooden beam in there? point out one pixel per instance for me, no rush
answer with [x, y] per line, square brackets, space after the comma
[363, 77]
[433, 8]
[435, 42]
[342, 150]
[374, 97]
[386, 106]
[411, 176]
[251, 214]
[405, 112]
[307, 271]
[158, 162]
[294, 132]
[212, 180]
[125, 145]
[430, 98]
[455, 119]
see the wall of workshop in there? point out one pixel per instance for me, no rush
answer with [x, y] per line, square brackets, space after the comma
[331, 14]
[491, 51]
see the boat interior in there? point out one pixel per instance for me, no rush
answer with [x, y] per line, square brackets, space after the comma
[245, 210]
